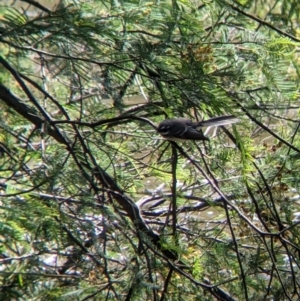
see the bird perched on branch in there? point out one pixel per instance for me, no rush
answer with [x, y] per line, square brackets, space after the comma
[181, 129]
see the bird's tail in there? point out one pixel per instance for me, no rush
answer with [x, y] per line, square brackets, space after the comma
[216, 121]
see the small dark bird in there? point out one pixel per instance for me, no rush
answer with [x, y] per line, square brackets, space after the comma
[181, 129]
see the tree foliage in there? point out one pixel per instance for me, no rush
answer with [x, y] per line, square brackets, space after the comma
[95, 205]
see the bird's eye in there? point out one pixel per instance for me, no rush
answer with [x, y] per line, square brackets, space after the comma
[164, 130]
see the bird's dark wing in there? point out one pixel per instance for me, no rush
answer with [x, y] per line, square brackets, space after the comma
[180, 129]
[194, 134]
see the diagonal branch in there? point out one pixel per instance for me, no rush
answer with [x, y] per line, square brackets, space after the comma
[38, 5]
[105, 179]
[262, 22]
[28, 113]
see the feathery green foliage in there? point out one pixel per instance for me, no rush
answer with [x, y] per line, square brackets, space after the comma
[95, 205]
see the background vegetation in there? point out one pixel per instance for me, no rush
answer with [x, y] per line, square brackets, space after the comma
[94, 204]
